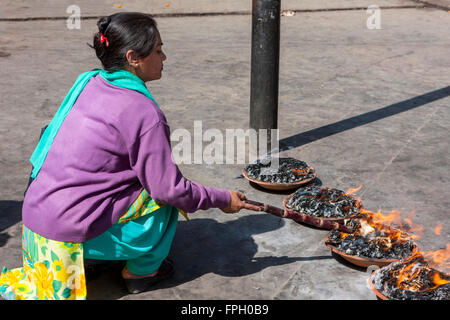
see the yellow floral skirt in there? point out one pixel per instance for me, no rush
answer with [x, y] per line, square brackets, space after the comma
[54, 270]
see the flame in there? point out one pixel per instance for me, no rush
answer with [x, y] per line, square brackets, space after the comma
[424, 262]
[389, 224]
[301, 172]
[350, 193]
[438, 281]
[384, 230]
[353, 190]
[438, 229]
[388, 229]
[408, 220]
[439, 258]
[406, 275]
[393, 229]
[344, 235]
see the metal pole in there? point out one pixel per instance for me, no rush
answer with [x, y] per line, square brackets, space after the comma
[265, 56]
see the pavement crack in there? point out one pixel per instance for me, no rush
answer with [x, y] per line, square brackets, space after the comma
[221, 13]
[285, 283]
[393, 57]
[175, 294]
[365, 67]
[432, 5]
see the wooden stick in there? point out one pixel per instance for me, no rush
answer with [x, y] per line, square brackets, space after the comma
[300, 217]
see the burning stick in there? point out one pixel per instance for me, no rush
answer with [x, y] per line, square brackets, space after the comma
[300, 217]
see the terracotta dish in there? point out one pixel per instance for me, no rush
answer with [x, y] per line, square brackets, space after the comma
[280, 186]
[359, 261]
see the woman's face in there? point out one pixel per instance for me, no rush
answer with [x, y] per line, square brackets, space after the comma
[150, 68]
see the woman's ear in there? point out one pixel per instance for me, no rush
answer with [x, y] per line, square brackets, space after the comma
[132, 58]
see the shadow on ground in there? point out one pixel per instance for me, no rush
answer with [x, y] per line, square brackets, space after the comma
[10, 214]
[203, 246]
[306, 137]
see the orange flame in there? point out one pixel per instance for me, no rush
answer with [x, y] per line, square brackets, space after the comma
[301, 172]
[389, 226]
[439, 258]
[350, 193]
[392, 224]
[408, 275]
[353, 190]
[438, 281]
[438, 229]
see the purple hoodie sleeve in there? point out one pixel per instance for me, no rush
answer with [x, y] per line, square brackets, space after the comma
[151, 159]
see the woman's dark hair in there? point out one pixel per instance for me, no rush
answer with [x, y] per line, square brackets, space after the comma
[124, 31]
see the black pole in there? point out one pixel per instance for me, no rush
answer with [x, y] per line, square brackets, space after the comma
[265, 56]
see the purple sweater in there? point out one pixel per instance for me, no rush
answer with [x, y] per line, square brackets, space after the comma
[112, 144]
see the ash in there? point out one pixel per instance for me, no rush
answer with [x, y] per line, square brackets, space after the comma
[374, 245]
[323, 202]
[386, 282]
[285, 173]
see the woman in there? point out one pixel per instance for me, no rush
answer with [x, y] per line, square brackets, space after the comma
[105, 183]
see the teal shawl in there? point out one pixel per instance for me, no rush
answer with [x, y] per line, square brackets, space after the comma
[119, 78]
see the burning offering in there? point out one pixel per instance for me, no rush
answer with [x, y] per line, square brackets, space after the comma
[375, 241]
[288, 174]
[300, 217]
[419, 277]
[324, 202]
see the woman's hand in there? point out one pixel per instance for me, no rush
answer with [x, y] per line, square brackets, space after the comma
[237, 203]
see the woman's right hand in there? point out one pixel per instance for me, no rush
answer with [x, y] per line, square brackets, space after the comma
[237, 203]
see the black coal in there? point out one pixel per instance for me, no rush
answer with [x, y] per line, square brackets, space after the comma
[376, 245]
[289, 170]
[323, 202]
[419, 287]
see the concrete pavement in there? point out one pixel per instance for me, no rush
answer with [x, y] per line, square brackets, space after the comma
[362, 106]
[50, 8]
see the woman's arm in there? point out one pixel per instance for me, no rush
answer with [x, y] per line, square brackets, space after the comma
[151, 158]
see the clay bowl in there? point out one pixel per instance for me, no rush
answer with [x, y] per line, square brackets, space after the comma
[339, 220]
[375, 290]
[280, 186]
[359, 261]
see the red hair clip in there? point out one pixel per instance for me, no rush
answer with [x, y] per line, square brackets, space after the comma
[103, 39]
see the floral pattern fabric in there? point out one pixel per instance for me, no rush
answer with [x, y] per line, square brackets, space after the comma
[54, 270]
